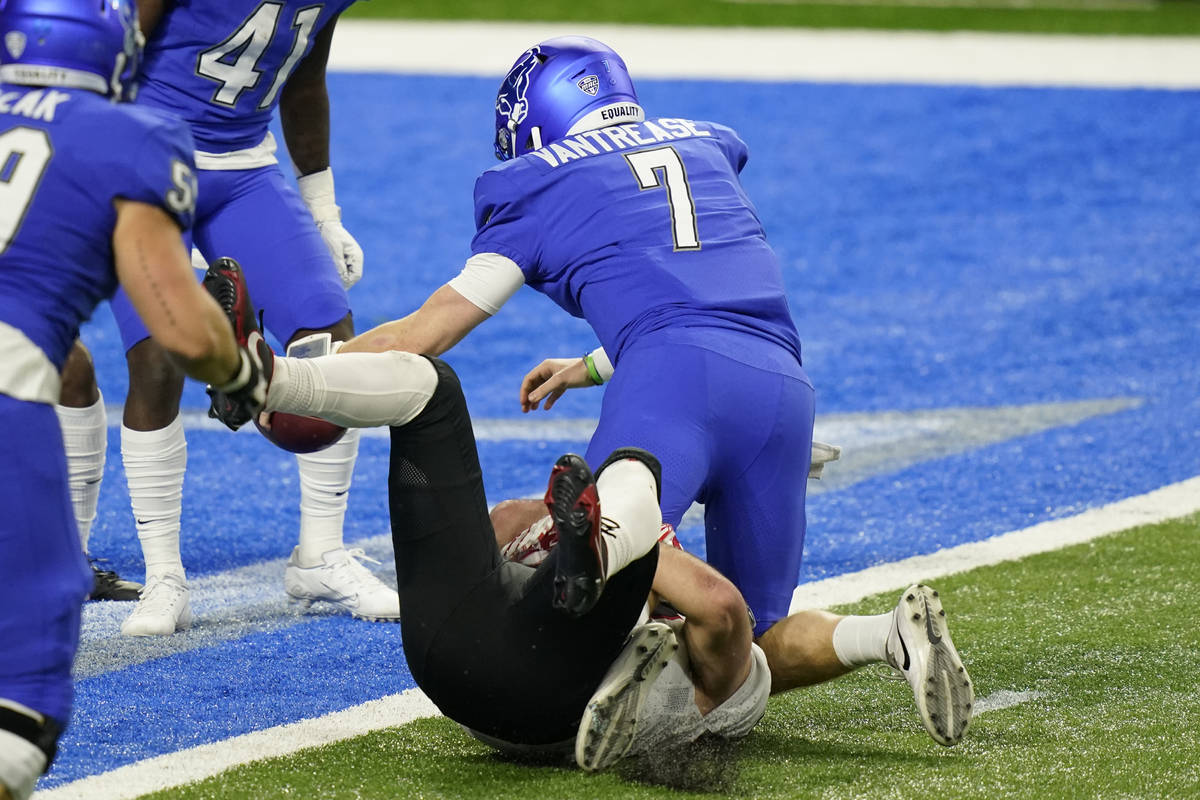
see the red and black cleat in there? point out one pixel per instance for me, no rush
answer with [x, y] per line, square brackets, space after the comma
[582, 560]
[226, 283]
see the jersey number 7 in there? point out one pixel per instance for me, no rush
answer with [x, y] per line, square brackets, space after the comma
[662, 165]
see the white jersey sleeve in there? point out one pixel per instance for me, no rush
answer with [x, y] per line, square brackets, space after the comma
[488, 280]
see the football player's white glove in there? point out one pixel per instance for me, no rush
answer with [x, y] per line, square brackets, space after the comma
[317, 191]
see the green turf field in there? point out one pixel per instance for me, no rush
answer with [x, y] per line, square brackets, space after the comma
[1170, 17]
[1104, 636]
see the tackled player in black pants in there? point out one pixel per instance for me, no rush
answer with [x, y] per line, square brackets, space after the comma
[477, 627]
[479, 631]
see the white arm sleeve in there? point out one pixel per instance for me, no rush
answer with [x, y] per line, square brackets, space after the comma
[488, 280]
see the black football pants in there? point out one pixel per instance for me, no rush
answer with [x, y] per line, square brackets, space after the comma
[480, 635]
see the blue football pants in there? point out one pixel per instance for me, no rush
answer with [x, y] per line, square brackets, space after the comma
[256, 217]
[734, 437]
[46, 578]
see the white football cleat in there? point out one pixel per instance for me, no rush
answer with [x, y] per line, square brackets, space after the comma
[610, 719]
[341, 580]
[919, 646]
[164, 607]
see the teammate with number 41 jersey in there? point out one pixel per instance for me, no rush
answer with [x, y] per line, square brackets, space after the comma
[224, 66]
[640, 225]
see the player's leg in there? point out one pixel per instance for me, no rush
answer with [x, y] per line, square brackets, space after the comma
[264, 225]
[754, 511]
[39, 547]
[657, 401]
[154, 454]
[84, 423]
[476, 627]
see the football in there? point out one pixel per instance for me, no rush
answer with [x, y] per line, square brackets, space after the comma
[299, 434]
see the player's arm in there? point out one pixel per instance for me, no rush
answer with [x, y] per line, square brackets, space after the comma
[440, 323]
[304, 116]
[150, 13]
[718, 632]
[155, 271]
[304, 107]
[486, 283]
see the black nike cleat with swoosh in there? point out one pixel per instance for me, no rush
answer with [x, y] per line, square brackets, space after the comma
[919, 646]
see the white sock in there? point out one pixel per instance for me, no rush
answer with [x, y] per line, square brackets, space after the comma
[358, 390]
[21, 764]
[154, 465]
[859, 641]
[629, 506]
[324, 488]
[85, 437]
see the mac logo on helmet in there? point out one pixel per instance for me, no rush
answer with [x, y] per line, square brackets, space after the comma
[589, 84]
[14, 42]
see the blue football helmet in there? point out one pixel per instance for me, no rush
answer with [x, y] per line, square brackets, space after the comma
[81, 44]
[560, 87]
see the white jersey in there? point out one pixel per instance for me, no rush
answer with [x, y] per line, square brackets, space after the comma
[669, 717]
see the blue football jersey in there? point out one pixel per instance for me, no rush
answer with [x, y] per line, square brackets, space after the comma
[221, 64]
[641, 228]
[65, 155]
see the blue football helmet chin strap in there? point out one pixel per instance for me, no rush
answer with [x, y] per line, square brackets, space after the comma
[78, 44]
[560, 87]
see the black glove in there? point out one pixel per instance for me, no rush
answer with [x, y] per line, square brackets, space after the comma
[238, 401]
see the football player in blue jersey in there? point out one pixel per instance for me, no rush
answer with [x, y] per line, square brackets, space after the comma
[224, 67]
[641, 226]
[92, 193]
[673, 272]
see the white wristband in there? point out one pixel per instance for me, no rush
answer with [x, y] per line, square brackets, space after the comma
[317, 192]
[604, 367]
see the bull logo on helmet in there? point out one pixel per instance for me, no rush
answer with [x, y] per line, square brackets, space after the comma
[511, 101]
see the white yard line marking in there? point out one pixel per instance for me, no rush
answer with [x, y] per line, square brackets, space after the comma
[784, 54]
[198, 763]
[1169, 502]
[187, 766]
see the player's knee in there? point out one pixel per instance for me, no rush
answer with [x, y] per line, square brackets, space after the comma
[79, 388]
[151, 371]
[340, 331]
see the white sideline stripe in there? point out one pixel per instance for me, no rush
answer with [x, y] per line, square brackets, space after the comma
[1005, 698]
[204, 761]
[784, 54]
[1169, 502]
[197, 763]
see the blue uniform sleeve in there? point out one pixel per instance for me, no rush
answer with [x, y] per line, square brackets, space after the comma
[731, 144]
[164, 173]
[504, 223]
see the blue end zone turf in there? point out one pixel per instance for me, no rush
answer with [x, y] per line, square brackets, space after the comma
[944, 248]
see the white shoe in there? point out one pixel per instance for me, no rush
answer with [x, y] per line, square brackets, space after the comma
[610, 720]
[919, 646]
[343, 581]
[164, 608]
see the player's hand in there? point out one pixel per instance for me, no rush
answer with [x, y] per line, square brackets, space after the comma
[347, 255]
[316, 189]
[236, 402]
[550, 379]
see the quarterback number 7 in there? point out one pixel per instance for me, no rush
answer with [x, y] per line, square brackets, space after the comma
[663, 166]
